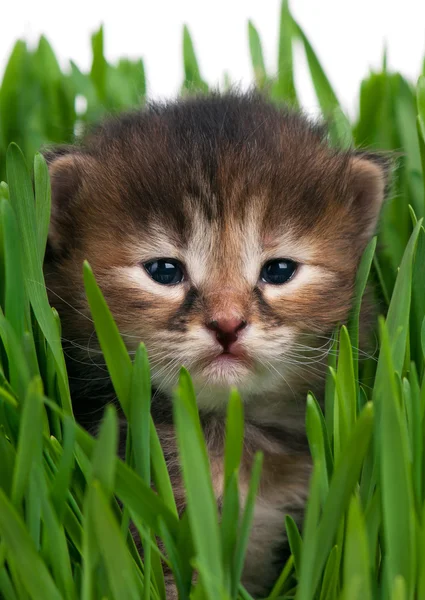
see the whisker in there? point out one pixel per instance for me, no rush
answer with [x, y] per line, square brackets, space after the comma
[267, 364]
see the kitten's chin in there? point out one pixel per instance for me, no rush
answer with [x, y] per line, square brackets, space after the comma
[224, 370]
[214, 380]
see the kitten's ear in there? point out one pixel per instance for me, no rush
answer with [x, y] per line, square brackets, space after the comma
[67, 168]
[368, 185]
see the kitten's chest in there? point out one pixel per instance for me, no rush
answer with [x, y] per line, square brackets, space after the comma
[284, 475]
[282, 491]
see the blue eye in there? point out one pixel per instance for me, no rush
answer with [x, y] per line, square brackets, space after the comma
[165, 271]
[278, 271]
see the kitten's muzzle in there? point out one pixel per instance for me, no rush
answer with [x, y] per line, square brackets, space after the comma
[227, 330]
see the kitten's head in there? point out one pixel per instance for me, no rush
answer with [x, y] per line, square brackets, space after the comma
[224, 232]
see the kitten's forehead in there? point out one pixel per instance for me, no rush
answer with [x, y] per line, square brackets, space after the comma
[230, 248]
[222, 181]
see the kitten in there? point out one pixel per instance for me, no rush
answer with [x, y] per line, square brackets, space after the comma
[225, 233]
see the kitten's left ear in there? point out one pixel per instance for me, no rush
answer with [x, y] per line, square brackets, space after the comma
[368, 184]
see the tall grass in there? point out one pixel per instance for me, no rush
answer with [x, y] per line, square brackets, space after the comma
[63, 535]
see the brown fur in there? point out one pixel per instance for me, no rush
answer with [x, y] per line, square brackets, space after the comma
[223, 184]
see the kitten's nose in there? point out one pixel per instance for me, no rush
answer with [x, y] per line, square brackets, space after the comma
[227, 330]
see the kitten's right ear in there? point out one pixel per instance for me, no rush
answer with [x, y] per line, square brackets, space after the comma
[67, 169]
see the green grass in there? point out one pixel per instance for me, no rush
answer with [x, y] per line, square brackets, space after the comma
[63, 534]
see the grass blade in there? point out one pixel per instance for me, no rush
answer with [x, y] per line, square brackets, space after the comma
[35, 577]
[201, 505]
[257, 58]
[113, 348]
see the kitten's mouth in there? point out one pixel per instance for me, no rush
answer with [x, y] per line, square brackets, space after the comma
[227, 365]
[227, 355]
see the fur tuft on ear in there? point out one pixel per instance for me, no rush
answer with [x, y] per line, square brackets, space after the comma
[369, 182]
[67, 168]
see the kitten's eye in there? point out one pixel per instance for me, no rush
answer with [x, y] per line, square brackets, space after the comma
[278, 271]
[165, 271]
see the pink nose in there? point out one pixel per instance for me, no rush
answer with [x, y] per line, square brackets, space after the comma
[226, 330]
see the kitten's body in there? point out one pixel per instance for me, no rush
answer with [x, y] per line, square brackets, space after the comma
[223, 185]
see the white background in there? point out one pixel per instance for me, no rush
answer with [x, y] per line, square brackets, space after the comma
[349, 36]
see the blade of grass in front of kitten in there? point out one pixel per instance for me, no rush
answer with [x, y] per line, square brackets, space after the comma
[418, 301]
[421, 549]
[229, 526]
[345, 379]
[90, 552]
[16, 309]
[29, 445]
[329, 460]
[132, 491]
[139, 413]
[412, 404]
[2, 266]
[399, 589]
[305, 590]
[32, 500]
[160, 473]
[6, 585]
[61, 483]
[207, 583]
[175, 560]
[139, 421]
[247, 519]
[7, 464]
[43, 201]
[295, 542]
[233, 451]
[201, 504]
[330, 576]
[397, 492]
[22, 200]
[398, 312]
[282, 579]
[9, 416]
[185, 547]
[234, 435]
[55, 543]
[120, 569]
[382, 283]
[105, 450]
[113, 348]
[405, 120]
[317, 443]
[345, 476]
[423, 337]
[360, 286]
[330, 387]
[19, 372]
[16, 577]
[340, 425]
[356, 554]
[35, 576]
[420, 121]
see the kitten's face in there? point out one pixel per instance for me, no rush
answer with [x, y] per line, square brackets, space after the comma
[235, 300]
[233, 257]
